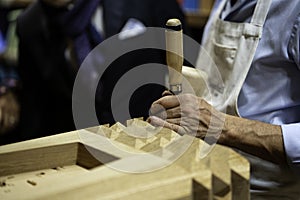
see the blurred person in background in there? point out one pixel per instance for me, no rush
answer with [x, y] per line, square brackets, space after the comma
[9, 79]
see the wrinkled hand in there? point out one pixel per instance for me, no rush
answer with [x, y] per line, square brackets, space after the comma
[187, 114]
[9, 112]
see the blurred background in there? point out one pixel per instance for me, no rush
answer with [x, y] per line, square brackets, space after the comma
[43, 43]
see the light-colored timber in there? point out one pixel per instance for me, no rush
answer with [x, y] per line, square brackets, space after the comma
[84, 164]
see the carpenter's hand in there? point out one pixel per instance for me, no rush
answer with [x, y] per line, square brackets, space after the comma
[9, 112]
[187, 114]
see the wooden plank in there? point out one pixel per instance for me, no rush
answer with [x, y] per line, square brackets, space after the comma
[222, 174]
[240, 175]
[219, 158]
[25, 184]
[58, 139]
[40, 158]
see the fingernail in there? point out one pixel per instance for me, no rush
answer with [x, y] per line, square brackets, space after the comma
[155, 109]
[167, 93]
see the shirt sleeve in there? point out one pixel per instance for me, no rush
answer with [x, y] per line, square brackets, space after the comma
[291, 140]
[294, 43]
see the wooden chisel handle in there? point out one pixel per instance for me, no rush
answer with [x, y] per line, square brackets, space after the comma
[174, 55]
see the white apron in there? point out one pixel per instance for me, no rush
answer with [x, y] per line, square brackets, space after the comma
[231, 47]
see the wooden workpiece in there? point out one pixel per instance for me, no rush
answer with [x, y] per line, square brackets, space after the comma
[67, 166]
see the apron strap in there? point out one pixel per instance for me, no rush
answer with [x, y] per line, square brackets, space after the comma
[261, 12]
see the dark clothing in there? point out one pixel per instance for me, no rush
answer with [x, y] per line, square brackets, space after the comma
[45, 74]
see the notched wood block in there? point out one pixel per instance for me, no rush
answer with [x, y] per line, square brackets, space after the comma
[76, 166]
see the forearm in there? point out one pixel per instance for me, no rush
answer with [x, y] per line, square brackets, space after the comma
[196, 115]
[260, 139]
